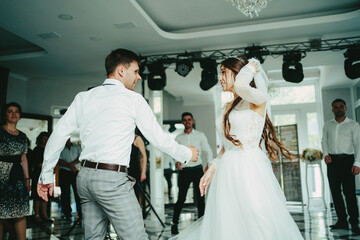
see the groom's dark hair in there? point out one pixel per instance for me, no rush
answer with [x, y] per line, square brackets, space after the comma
[120, 56]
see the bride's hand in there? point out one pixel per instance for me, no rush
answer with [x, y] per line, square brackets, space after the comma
[206, 179]
[253, 64]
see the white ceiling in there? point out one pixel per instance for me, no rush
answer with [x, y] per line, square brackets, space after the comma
[161, 26]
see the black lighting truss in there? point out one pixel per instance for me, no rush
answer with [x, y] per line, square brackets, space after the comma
[274, 50]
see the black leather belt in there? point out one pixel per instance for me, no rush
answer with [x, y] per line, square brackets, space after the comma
[104, 166]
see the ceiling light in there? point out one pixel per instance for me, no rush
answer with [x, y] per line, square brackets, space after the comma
[209, 76]
[66, 17]
[250, 8]
[143, 69]
[125, 25]
[49, 35]
[292, 70]
[157, 76]
[184, 65]
[352, 62]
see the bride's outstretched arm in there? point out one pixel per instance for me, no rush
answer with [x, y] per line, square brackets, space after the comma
[242, 86]
[206, 179]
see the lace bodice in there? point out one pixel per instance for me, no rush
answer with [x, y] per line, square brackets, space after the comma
[246, 125]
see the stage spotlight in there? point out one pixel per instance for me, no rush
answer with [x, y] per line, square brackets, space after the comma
[256, 52]
[352, 62]
[292, 70]
[172, 128]
[184, 65]
[143, 71]
[157, 76]
[209, 75]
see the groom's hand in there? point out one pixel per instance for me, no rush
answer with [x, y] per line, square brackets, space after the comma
[44, 189]
[195, 153]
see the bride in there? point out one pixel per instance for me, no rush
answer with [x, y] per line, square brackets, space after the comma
[244, 198]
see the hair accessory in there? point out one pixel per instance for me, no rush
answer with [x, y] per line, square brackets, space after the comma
[238, 58]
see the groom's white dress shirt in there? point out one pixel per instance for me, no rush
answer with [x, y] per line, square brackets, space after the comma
[106, 117]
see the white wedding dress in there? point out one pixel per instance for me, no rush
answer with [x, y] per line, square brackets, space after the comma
[244, 198]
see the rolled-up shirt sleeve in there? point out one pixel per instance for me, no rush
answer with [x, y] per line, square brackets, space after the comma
[148, 125]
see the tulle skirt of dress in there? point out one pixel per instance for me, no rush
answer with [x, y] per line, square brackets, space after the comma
[244, 202]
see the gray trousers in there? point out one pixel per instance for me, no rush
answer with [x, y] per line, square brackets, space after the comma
[109, 196]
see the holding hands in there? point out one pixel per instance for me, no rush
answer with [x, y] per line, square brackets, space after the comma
[195, 153]
[194, 157]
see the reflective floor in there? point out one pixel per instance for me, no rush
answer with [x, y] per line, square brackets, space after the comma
[313, 224]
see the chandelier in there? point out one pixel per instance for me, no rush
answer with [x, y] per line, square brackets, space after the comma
[250, 7]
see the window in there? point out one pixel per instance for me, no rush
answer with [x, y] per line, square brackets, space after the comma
[284, 119]
[313, 130]
[292, 95]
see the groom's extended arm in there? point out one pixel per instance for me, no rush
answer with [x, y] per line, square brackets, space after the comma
[148, 125]
[66, 125]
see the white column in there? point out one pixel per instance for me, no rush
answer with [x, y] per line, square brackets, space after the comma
[156, 168]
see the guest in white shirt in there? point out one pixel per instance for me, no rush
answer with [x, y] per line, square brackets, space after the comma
[106, 117]
[69, 168]
[341, 146]
[192, 172]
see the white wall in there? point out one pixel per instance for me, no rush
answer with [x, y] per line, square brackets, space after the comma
[172, 108]
[16, 91]
[42, 93]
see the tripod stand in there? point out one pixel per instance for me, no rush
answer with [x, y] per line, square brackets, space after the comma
[77, 222]
[147, 198]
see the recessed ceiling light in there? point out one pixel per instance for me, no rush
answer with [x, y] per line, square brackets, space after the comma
[125, 25]
[65, 17]
[96, 39]
[49, 35]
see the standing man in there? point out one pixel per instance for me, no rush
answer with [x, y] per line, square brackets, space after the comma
[106, 117]
[69, 168]
[341, 140]
[191, 172]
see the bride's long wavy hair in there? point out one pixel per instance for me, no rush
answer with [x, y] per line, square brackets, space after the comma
[269, 133]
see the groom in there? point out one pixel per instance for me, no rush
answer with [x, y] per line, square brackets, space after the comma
[106, 117]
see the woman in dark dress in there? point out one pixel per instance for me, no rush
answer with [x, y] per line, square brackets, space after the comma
[38, 158]
[138, 161]
[14, 174]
